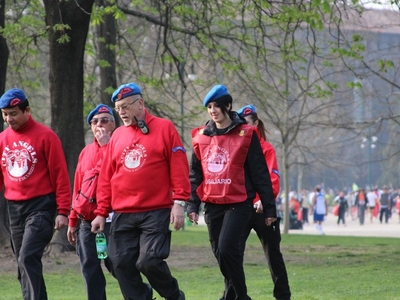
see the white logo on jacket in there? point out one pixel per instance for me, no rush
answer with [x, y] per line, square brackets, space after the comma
[133, 157]
[217, 159]
[19, 160]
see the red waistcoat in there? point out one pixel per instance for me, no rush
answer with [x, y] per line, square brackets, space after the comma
[222, 159]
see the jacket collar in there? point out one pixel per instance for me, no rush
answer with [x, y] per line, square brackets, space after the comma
[211, 128]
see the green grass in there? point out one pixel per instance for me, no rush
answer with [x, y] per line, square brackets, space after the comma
[319, 268]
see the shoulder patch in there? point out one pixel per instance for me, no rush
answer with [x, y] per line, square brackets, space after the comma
[178, 148]
[275, 171]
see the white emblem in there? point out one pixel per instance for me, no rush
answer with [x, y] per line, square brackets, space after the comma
[217, 159]
[134, 157]
[19, 161]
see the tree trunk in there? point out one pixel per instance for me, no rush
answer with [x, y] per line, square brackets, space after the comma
[107, 39]
[66, 82]
[4, 53]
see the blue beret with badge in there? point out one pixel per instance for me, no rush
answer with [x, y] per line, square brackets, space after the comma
[247, 110]
[12, 97]
[215, 93]
[125, 90]
[99, 109]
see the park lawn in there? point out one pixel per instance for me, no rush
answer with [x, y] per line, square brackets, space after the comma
[319, 268]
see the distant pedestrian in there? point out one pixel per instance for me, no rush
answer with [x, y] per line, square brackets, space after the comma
[385, 205]
[372, 200]
[361, 203]
[305, 205]
[319, 209]
[343, 206]
[351, 201]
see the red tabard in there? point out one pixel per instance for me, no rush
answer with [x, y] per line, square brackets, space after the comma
[222, 158]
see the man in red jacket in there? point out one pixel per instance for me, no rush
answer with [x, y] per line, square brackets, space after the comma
[102, 124]
[145, 181]
[35, 177]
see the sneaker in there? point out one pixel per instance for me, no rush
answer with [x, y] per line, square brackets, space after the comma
[181, 296]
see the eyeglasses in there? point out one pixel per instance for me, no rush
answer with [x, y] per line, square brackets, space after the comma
[103, 120]
[125, 106]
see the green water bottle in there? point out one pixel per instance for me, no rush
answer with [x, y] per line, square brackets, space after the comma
[101, 245]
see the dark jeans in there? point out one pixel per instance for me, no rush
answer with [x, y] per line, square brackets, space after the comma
[361, 213]
[139, 243]
[92, 272]
[32, 226]
[384, 211]
[341, 215]
[305, 214]
[226, 228]
[270, 238]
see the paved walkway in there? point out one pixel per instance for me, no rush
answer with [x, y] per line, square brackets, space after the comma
[353, 227]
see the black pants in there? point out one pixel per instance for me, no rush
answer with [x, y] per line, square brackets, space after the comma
[32, 227]
[139, 243]
[384, 211]
[270, 238]
[226, 229]
[92, 272]
[305, 215]
[341, 215]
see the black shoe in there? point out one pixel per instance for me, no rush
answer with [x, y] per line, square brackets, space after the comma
[149, 292]
[181, 296]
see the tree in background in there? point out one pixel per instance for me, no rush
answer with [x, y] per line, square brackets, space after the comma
[4, 53]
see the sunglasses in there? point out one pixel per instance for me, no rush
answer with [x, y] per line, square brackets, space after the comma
[104, 120]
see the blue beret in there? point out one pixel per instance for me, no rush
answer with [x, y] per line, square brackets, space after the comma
[125, 90]
[216, 92]
[101, 108]
[247, 110]
[12, 98]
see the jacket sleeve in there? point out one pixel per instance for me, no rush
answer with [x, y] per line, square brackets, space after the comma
[260, 177]
[196, 178]
[73, 218]
[58, 173]
[103, 191]
[179, 166]
[272, 163]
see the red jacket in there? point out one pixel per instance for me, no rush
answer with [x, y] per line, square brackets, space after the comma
[33, 164]
[88, 159]
[222, 158]
[143, 172]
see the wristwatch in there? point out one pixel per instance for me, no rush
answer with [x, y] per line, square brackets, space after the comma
[180, 202]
